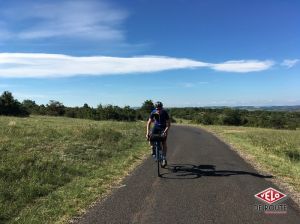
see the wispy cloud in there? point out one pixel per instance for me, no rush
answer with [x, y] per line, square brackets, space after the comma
[289, 63]
[191, 84]
[88, 19]
[243, 66]
[58, 65]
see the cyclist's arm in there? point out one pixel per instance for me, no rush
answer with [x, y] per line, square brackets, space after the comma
[148, 126]
[168, 125]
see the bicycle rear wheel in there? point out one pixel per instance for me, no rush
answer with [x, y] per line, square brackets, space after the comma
[158, 157]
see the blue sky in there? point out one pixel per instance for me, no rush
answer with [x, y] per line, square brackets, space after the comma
[184, 53]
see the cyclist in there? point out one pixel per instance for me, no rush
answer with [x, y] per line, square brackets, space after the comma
[161, 121]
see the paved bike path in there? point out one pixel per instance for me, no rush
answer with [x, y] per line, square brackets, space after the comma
[206, 182]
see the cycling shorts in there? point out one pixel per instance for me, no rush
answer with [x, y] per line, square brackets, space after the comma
[158, 130]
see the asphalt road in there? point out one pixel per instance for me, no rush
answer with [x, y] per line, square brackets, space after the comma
[205, 182]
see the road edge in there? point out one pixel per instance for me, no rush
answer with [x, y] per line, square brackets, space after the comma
[114, 186]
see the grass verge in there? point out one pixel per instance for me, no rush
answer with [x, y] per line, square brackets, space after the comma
[51, 168]
[269, 150]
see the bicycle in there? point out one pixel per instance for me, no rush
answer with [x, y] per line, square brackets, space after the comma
[157, 140]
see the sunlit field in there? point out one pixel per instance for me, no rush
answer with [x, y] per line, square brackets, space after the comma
[53, 167]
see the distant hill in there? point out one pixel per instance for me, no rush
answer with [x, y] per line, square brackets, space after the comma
[250, 108]
[270, 108]
[253, 108]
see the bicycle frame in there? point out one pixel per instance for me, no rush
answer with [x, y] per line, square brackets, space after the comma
[158, 153]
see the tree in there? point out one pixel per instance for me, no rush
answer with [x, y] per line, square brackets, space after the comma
[86, 112]
[207, 119]
[71, 112]
[42, 110]
[146, 109]
[147, 106]
[232, 117]
[31, 106]
[55, 108]
[129, 113]
[277, 121]
[10, 106]
[86, 106]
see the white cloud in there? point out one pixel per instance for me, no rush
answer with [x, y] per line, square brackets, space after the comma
[290, 62]
[58, 65]
[243, 66]
[90, 19]
[191, 84]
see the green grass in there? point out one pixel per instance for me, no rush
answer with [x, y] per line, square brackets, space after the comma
[275, 151]
[53, 168]
[182, 121]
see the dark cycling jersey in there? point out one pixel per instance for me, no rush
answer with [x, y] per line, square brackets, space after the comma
[160, 118]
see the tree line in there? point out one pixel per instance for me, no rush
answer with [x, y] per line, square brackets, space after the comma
[207, 116]
[12, 107]
[238, 117]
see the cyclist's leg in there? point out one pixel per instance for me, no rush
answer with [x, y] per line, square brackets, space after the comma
[164, 153]
[165, 148]
[153, 131]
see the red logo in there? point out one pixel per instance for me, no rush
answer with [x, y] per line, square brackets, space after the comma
[270, 195]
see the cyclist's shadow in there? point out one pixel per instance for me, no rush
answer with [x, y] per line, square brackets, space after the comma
[190, 171]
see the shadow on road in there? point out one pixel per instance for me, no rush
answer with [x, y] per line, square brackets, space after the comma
[190, 171]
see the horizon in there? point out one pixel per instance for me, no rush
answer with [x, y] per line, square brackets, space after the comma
[196, 54]
[167, 107]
